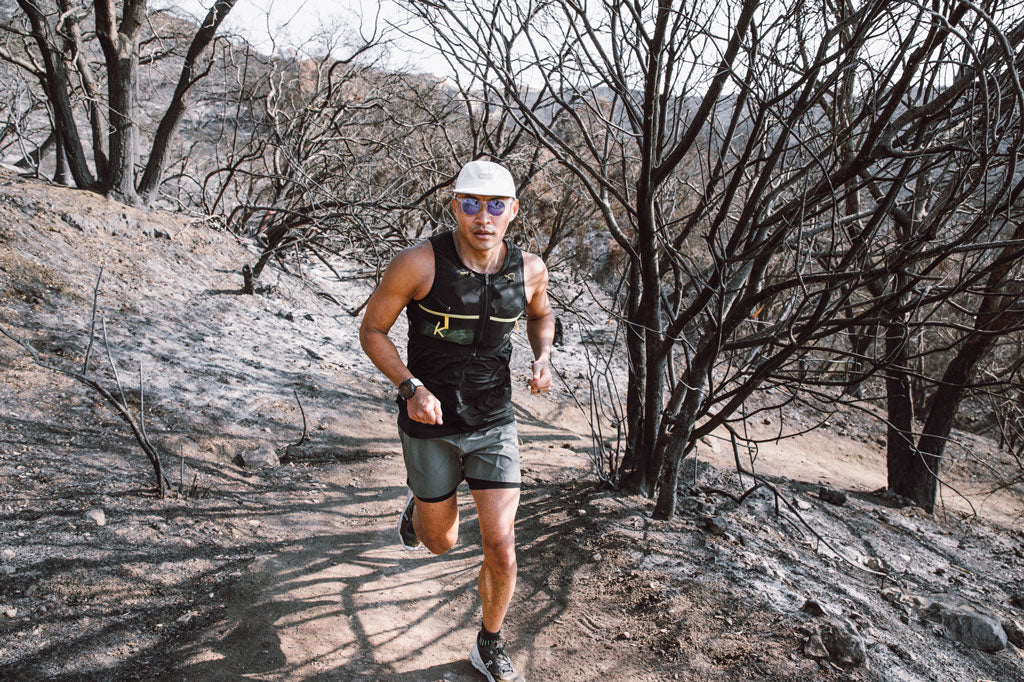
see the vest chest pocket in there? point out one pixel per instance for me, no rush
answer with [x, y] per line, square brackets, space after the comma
[450, 327]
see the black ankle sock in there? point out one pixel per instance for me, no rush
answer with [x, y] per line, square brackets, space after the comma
[484, 638]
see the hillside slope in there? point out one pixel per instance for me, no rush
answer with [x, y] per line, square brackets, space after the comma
[291, 572]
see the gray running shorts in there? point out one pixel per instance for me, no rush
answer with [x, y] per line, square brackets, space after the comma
[485, 459]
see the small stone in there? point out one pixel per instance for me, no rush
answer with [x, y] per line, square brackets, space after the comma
[6, 569]
[715, 525]
[596, 556]
[815, 648]
[843, 642]
[97, 516]
[875, 564]
[1014, 632]
[581, 512]
[832, 496]
[803, 504]
[7, 554]
[970, 625]
[11, 612]
[624, 636]
[893, 595]
[812, 607]
[263, 456]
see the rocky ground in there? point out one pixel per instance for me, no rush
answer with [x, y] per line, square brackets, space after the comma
[289, 571]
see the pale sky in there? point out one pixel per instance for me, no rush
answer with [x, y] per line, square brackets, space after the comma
[291, 24]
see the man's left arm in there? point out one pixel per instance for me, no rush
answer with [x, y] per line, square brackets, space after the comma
[540, 322]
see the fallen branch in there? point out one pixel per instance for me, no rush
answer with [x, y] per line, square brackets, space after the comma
[305, 434]
[138, 428]
[119, 406]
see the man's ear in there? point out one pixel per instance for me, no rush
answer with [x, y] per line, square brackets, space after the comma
[515, 210]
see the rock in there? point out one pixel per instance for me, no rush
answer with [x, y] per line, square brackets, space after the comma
[843, 642]
[970, 625]
[160, 234]
[11, 612]
[714, 525]
[803, 505]
[97, 516]
[6, 569]
[263, 456]
[1014, 632]
[1017, 600]
[832, 496]
[815, 648]
[79, 223]
[893, 595]
[7, 554]
[812, 607]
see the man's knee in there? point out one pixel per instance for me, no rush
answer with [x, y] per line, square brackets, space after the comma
[440, 542]
[500, 552]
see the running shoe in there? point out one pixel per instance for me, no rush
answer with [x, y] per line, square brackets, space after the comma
[406, 533]
[494, 663]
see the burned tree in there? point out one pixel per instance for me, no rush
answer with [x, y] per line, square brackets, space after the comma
[59, 56]
[758, 196]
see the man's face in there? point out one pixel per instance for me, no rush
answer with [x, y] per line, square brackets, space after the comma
[483, 231]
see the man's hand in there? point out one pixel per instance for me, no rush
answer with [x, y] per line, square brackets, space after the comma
[424, 407]
[541, 380]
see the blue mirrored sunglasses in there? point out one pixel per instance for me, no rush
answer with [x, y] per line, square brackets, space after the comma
[471, 206]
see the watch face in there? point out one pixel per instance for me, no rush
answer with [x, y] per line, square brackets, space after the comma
[406, 389]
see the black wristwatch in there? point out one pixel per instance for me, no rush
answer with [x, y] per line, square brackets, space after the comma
[407, 388]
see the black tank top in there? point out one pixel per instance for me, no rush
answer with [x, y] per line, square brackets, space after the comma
[460, 341]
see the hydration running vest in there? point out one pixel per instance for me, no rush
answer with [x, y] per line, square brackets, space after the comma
[460, 341]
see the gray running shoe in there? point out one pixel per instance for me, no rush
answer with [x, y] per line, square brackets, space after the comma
[494, 663]
[406, 533]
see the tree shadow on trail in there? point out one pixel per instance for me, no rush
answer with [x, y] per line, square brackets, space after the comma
[391, 615]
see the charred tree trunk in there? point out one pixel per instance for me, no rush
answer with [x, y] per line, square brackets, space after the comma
[172, 117]
[637, 374]
[901, 459]
[72, 34]
[121, 53]
[678, 439]
[58, 89]
[60, 169]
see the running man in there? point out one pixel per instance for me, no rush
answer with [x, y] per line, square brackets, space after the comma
[464, 292]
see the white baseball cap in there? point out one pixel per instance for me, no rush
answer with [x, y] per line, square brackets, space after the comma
[485, 178]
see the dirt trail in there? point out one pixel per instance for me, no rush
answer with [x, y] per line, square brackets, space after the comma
[343, 601]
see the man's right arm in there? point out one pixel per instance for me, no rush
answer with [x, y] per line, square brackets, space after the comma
[408, 277]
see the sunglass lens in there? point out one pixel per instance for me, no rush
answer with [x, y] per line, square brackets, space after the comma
[495, 207]
[470, 206]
